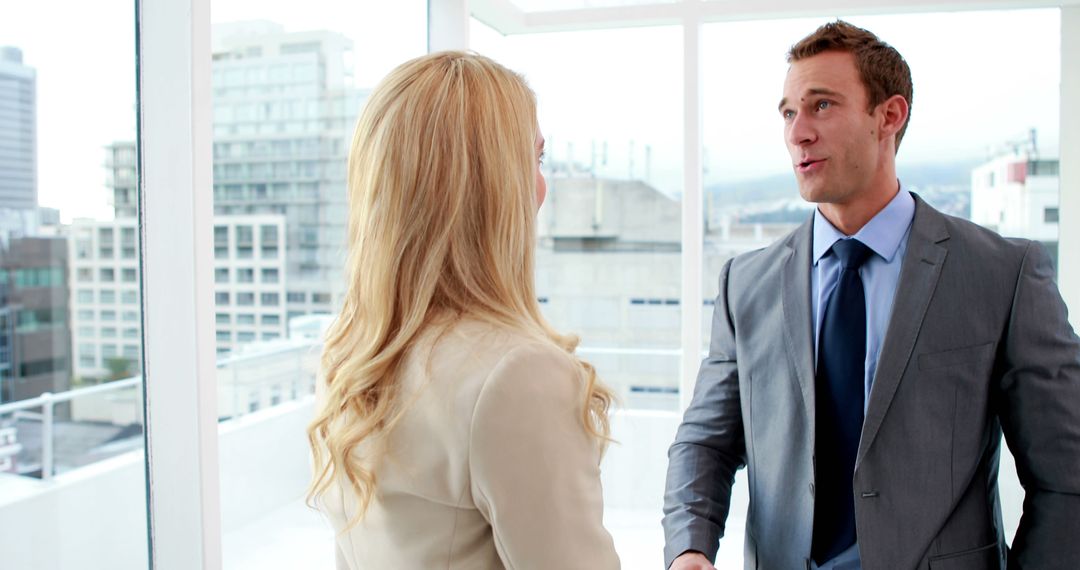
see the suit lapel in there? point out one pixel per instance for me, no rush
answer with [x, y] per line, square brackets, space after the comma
[798, 325]
[918, 279]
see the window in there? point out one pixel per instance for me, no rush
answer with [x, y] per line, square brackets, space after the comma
[269, 275]
[107, 296]
[129, 297]
[321, 298]
[224, 336]
[85, 275]
[130, 333]
[129, 275]
[222, 318]
[109, 316]
[130, 316]
[270, 336]
[86, 332]
[245, 319]
[109, 351]
[271, 320]
[245, 299]
[108, 332]
[295, 297]
[246, 275]
[245, 336]
[221, 298]
[221, 275]
[269, 299]
[1050, 215]
[85, 315]
[85, 296]
[108, 275]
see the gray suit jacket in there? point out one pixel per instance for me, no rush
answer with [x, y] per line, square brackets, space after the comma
[978, 345]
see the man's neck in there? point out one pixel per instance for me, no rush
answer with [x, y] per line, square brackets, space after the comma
[850, 217]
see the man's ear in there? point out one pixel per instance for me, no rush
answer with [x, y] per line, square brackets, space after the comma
[894, 115]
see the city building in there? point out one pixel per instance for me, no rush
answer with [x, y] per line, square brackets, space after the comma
[18, 145]
[120, 162]
[250, 273]
[1015, 193]
[35, 330]
[284, 111]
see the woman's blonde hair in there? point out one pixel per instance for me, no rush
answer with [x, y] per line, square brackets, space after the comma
[442, 194]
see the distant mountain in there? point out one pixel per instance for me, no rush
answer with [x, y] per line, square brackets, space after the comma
[782, 186]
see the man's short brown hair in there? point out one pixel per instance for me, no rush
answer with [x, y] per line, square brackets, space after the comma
[882, 69]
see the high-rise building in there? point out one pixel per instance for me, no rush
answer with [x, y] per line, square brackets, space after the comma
[18, 146]
[1016, 193]
[284, 110]
[35, 331]
[120, 164]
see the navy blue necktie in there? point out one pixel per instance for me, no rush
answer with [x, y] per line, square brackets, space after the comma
[840, 388]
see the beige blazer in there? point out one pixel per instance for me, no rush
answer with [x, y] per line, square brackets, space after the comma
[490, 466]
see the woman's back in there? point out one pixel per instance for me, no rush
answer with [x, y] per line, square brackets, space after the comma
[488, 467]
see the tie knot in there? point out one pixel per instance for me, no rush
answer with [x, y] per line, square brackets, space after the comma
[852, 253]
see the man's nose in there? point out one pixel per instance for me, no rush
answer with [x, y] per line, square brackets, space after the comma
[801, 131]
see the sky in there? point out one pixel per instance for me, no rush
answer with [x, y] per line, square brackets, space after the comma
[980, 79]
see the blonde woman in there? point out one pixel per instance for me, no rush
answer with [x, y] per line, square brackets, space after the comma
[455, 428]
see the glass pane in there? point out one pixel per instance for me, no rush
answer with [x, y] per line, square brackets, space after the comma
[991, 159]
[609, 243]
[72, 473]
[288, 85]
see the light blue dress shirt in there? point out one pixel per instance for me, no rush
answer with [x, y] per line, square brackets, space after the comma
[887, 235]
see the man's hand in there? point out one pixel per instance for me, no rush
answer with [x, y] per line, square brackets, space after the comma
[691, 561]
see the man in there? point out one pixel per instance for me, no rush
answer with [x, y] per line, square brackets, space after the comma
[865, 367]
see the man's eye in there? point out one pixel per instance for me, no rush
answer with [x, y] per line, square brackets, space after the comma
[822, 105]
[787, 114]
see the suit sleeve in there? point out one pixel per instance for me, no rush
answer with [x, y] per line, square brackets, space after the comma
[709, 446]
[1040, 417]
[535, 470]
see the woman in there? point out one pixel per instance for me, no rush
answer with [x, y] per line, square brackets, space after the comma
[455, 428]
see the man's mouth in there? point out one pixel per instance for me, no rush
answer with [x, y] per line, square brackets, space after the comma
[809, 164]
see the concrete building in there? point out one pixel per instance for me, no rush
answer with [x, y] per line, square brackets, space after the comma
[1016, 194]
[249, 290]
[609, 270]
[284, 111]
[120, 162]
[35, 331]
[18, 146]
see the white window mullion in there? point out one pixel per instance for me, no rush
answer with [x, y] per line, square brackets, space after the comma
[692, 216]
[175, 131]
[1069, 205]
[448, 25]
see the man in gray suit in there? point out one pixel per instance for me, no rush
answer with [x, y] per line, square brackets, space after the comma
[865, 367]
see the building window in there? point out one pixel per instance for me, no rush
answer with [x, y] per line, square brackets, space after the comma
[108, 332]
[271, 320]
[296, 297]
[245, 319]
[131, 333]
[108, 275]
[129, 275]
[130, 316]
[109, 351]
[245, 275]
[85, 315]
[86, 332]
[221, 275]
[245, 336]
[221, 298]
[85, 275]
[221, 242]
[245, 299]
[269, 275]
[270, 299]
[270, 336]
[322, 298]
[222, 318]
[131, 352]
[1050, 215]
[108, 316]
[107, 296]
[129, 297]
[224, 336]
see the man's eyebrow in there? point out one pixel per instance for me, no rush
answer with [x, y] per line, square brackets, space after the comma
[813, 91]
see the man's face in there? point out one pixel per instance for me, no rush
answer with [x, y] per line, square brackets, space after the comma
[832, 139]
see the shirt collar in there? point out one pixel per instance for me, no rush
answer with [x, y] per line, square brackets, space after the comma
[882, 233]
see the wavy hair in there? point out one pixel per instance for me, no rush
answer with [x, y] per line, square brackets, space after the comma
[442, 214]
